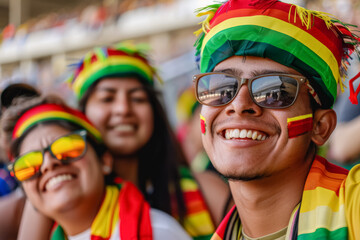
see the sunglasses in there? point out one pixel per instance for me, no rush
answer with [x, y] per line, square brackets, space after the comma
[66, 149]
[273, 91]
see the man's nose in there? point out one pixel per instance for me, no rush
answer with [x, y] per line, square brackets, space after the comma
[243, 102]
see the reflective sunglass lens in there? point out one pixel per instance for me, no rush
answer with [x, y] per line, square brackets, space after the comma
[27, 165]
[69, 147]
[216, 89]
[274, 91]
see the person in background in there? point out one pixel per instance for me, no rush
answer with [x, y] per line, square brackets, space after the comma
[12, 198]
[57, 158]
[268, 149]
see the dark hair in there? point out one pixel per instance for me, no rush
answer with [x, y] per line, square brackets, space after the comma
[159, 159]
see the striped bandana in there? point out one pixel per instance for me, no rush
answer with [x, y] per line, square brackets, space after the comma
[313, 43]
[322, 214]
[122, 60]
[53, 112]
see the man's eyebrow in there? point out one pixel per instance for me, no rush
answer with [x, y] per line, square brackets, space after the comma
[233, 71]
[266, 71]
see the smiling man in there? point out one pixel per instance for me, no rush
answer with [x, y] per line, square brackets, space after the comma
[269, 78]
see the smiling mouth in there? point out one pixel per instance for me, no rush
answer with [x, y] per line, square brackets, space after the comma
[244, 134]
[54, 181]
[124, 128]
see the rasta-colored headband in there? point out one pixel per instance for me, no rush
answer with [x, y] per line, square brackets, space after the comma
[53, 112]
[313, 43]
[122, 60]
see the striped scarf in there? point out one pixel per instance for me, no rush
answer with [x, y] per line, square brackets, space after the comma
[129, 203]
[198, 222]
[327, 211]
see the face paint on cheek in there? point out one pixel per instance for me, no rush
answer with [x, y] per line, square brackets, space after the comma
[299, 125]
[203, 124]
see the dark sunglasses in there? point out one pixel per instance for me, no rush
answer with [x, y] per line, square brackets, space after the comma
[268, 91]
[66, 149]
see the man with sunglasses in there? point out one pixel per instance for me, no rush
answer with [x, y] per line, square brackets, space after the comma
[269, 78]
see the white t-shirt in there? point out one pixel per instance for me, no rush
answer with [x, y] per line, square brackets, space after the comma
[164, 227]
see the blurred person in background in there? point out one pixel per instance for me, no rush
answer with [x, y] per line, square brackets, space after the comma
[57, 158]
[12, 199]
[115, 89]
[344, 145]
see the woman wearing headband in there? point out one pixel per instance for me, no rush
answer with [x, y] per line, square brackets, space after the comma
[58, 158]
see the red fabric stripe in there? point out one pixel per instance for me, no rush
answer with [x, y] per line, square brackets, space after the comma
[299, 127]
[281, 11]
[194, 202]
[223, 225]
[326, 175]
[134, 213]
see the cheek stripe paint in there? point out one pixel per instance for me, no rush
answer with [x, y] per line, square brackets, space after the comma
[203, 124]
[299, 125]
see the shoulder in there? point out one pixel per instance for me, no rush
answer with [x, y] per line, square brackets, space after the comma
[166, 227]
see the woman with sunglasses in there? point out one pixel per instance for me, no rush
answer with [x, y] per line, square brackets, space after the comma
[58, 158]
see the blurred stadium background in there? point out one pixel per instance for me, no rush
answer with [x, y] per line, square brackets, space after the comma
[40, 38]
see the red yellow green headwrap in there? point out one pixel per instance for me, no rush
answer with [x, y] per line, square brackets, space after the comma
[53, 112]
[313, 43]
[121, 60]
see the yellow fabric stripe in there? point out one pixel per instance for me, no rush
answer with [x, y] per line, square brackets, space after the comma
[216, 237]
[112, 60]
[352, 196]
[197, 224]
[188, 185]
[282, 27]
[320, 197]
[108, 214]
[202, 118]
[322, 217]
[53, 114]
[299, 117]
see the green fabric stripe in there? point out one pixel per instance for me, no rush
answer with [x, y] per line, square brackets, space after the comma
[205, 237]
[100, 54]
[185, 173]
[246, 40]
[325, 234]
[114, 71]
[58, 234]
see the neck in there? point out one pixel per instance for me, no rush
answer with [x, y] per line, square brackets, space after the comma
[81, 217]
[265, 205]
[127, 168]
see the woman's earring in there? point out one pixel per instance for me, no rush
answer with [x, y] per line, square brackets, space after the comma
[106, 169]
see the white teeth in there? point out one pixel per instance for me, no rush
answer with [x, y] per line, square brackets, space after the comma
[254, 135]
[249, 134]
[56, 180]
[124, 127]
[235, 133]
[243, 133]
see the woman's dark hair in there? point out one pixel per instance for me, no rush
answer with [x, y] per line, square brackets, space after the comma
[159, 159]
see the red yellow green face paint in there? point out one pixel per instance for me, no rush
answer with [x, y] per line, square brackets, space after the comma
[203, 124]
[299, 125]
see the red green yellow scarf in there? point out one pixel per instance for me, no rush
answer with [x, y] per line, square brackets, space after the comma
[198, 222]
[123, 201]
[323, 214]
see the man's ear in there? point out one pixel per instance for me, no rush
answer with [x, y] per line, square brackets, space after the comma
[107, 163]
[324, 124]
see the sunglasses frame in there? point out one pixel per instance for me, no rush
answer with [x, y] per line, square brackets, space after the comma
[242, 81]
[82, 133]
